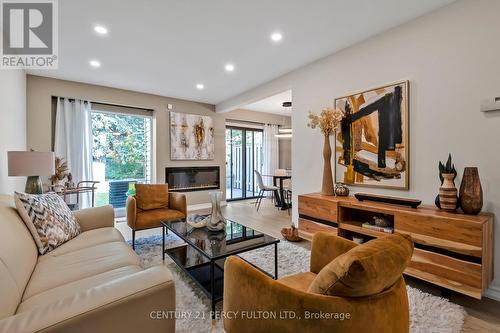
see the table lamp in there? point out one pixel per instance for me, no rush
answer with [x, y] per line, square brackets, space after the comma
[32, 164]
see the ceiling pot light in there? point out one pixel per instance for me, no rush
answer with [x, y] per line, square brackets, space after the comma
[200, 86]
[229, 67]
[95, 63]
[276, 37]
[101, 30]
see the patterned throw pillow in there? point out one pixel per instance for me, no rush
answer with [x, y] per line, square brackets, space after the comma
[48, 218]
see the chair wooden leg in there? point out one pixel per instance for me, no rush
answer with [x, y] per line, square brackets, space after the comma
[133, 239]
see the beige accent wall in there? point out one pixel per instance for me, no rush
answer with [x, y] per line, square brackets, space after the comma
[12, 125]
[39, 119]
[451, 58]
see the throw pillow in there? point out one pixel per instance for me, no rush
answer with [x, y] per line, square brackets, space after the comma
[367, 269]
[151, 196]
[48, 218]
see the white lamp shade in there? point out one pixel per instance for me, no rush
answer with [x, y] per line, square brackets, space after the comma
[31, 163]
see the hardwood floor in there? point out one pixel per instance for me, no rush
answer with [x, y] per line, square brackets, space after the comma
[268, 219]
[483, 316]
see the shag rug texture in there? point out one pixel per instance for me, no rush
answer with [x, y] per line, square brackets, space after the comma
[428, 313]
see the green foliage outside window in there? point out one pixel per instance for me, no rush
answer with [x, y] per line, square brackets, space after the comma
[119, 142]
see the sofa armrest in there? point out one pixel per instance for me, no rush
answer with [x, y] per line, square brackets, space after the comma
[249, 295]
[131, 211]
[326, 247]
[177, 201]
[127, 304]
[98, 217]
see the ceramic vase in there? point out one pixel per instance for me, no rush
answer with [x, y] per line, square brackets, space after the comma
[327, 186]
[216, 222]
[448, 193]
[471, 192]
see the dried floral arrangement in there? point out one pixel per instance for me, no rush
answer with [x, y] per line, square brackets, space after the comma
[61, 167]
[328, 120]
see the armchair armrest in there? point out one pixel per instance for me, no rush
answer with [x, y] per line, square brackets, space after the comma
[326, 247]
[131, 211]
[93, 218]
[249, 294]
[124, 305]
[177, 201]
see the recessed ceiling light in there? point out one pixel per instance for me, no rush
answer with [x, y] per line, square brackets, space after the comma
[94, 63]
[229, 67]
[200, 86]
[101, 30]
[276, 37]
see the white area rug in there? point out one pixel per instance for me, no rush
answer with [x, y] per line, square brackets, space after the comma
[428, 313]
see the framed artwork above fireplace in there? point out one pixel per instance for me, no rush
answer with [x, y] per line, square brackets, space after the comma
[191, 137]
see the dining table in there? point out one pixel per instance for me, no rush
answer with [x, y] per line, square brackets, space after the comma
[280, 193]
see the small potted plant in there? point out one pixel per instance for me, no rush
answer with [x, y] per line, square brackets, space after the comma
[328, 122]
[447, 198]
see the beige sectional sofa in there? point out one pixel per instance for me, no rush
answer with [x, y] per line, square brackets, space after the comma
[93, 283]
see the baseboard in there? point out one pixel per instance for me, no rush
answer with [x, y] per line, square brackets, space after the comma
[206, 205]
[493, 292]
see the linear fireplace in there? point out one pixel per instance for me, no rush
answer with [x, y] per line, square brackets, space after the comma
[185, 179]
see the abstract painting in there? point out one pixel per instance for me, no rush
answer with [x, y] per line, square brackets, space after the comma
[372, 143]
[191, 137]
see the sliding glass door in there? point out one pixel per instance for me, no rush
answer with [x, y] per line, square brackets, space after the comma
[243, 156]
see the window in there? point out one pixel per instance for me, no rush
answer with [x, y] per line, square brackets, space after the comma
[121, 154]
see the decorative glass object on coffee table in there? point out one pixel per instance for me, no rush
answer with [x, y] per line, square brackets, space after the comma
[204, 252]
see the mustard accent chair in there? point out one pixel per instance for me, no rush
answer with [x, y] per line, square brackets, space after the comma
[360, 286]
[152, 204]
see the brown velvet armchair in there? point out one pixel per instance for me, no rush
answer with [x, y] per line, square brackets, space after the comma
[152, 204]
[317, 301]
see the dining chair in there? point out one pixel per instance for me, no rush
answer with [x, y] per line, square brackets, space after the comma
[262, 188]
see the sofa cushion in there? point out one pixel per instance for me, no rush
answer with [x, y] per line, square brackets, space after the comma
[151, 196]
[300, 281]
[69, 289]
[53, 271]
[152, 218]
[48, 218]
[18, 256]
[366, 269]
[87, 239]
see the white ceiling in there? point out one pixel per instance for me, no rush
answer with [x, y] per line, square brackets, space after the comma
[273, 104]
[166, 47]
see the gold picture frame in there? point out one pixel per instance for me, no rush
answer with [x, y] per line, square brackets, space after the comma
[372, 144]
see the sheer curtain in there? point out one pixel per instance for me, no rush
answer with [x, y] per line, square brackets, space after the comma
[73, 140]
[270, 152]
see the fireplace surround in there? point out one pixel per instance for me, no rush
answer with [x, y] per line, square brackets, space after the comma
[187, 179]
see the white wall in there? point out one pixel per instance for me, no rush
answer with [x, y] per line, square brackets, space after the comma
[12, 124]
[452, 59]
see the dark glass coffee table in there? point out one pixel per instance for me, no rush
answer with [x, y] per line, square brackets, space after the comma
[203, 255]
